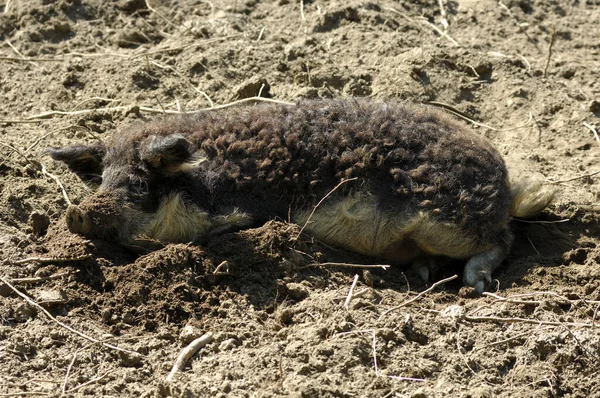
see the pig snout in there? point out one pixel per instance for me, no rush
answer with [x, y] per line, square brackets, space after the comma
[104, 215]
[77, 221]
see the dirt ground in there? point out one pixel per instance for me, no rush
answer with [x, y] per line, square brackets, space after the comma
[525, 72]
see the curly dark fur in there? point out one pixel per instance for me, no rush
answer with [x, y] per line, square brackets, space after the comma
[415, 158]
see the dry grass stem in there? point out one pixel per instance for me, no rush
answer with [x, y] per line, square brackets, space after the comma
[48, 114]
[260, 35]
[87, 383]
[73, 126]
[349, 297]
[444, 21]
[50, 260]
[552, 38]
[418, 296]
[321, 201]
[518, 24]
[196, 89]
[64, 385]
[94, 99]
[526, 62]
[541, 222]
[29, 60]
[461, 115]
[422, 21]
[187, 353]
[67, 327]
[472, 318]
[532, 245]
[402, 378]
[64, 57]
[593, 130]
[516, 298]
[160, 15]
[19, 53]
[373, 334]
[439, 31]
[511, 338]
[58, 182]
[302, 11]
[460, 353]
[349, 265]
[576, 178]
[224, 264]
[39, 279]
[41, 167]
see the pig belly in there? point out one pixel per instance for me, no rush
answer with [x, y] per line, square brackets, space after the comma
[356, 224]
[401, 252]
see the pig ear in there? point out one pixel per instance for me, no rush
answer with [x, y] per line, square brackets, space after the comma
[83, 160]
[166, 153]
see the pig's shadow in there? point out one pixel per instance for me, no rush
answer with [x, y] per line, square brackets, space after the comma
[179, 281]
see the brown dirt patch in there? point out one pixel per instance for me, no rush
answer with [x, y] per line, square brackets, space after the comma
[281, 329]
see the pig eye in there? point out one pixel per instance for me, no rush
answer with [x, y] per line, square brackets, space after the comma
[137, 187]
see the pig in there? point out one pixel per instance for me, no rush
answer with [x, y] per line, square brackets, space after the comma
[402, 182]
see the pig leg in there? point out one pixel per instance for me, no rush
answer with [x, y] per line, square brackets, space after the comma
[422, 266]
[479, 268]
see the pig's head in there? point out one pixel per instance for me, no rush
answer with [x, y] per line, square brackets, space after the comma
[135, 196]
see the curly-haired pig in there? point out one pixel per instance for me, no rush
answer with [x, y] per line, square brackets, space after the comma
[417, 182]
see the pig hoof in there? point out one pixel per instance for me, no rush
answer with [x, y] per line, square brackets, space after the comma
[422, 267]
[479, 268]
[77, 220]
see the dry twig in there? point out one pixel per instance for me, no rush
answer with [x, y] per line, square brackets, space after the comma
[472, 318]
[423, 21]
[552, 37]
[373, 334]
[41, 167]
[321, 201]
[39, 279]
[50, 260]
[349, 265]
[19, 53]
[458, 113]
[575, 178]
[70, 329]
[593, 130]
[351, 291]
[187, 353]
[160, 15]
[88, 383]
[418, 296]
[224, 264]
[518, 24]
[147, 109]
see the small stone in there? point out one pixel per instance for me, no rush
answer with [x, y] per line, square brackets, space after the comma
[226, 387]
[106, 315]
[130, 358]
[419, 393]
[255, 87]
[286, 266]
[189, 333]
[131, 6]
[39, 222]
[285, 316]
[228, 344]
[297, 291]
[25, 311]
[51, 298]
